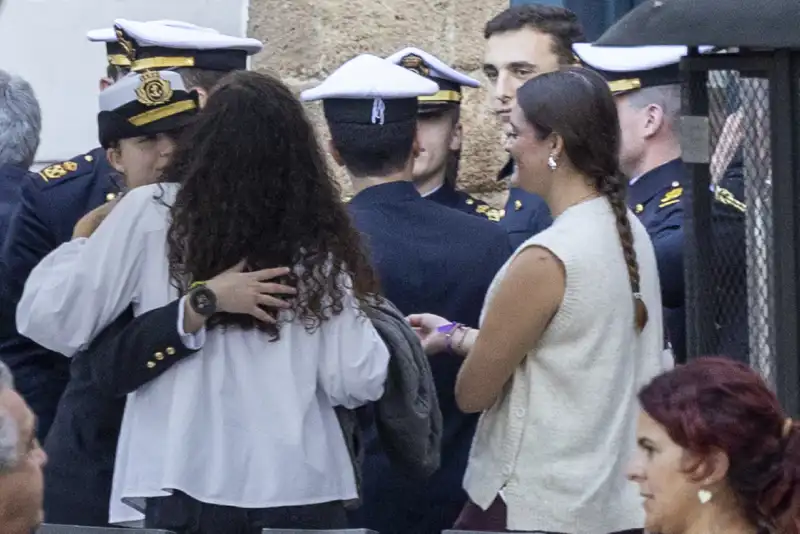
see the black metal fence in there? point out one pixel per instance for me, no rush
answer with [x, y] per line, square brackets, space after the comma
[740, 137]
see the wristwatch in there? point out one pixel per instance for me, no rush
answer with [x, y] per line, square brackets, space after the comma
[203, 300]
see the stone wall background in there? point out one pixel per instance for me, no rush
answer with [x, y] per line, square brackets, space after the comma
[305, 40]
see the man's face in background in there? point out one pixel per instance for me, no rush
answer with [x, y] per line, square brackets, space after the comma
[511, 59]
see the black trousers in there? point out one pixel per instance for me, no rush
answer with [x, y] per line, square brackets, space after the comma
[184, 515]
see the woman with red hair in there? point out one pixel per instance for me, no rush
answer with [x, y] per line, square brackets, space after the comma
[716, 453]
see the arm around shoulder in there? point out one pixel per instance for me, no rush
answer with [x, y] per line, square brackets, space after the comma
[123, 360]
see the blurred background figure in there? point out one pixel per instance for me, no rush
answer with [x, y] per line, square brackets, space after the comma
[21, 462]
[20, 126]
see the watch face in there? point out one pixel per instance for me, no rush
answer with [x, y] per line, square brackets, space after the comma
[203, 301]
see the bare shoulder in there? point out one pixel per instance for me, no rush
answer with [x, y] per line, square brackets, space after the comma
[536, 264]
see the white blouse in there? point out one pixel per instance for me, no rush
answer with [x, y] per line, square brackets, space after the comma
[244, 422]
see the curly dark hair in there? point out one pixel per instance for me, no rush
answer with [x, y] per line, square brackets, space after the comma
[256, 186]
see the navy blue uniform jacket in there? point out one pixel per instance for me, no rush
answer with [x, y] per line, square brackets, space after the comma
[449, 196]
[11, 179]
[524, 216]
[52, 202]
[429, 259]
[82, 442]
[659, 198]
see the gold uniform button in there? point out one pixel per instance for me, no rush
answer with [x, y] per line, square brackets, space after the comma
[170, 351]
[150, 365]
[517, 205]
[87, 157]
[159, 356]
[639, 208]
[110, 197]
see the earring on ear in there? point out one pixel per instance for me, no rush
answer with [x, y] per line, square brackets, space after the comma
[704, 496]
[552, 163]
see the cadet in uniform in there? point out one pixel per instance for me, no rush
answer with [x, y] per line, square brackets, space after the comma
[79, 471]
[645, 82]
[439, 133]
[425, 257]
[52, 201]
[82, 443]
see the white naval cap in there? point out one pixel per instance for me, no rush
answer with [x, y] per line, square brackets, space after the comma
[370, 90]
[108, 35]
[144, 104]
[450, 81]
[163, 46]
[636, 67]
[117, 54]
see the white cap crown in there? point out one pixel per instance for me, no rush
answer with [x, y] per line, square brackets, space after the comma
[366, 77]
[431, 66]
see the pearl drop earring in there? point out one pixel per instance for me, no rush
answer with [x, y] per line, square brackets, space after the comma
[704, 496]
[552, 163]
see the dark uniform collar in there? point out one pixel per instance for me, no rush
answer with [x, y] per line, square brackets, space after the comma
[670, 174]
[386, 193]
[446, 195]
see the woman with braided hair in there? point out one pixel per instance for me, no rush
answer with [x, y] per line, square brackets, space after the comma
[570, 330]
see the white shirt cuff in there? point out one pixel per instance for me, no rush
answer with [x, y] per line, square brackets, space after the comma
[190, 341]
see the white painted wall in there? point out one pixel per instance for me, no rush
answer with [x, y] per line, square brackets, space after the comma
[44, 41]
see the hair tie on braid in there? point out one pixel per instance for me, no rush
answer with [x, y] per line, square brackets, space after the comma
[788, 426]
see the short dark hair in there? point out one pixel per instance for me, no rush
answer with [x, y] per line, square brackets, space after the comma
[576, 104]
[374, 150]
[203, 78]
[559, 23]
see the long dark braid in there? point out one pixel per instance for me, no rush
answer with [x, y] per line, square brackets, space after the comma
[612, 188]
[576, 103]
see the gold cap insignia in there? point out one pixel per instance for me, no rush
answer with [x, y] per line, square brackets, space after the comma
[415, 63]
[126, 44]
[154, 89]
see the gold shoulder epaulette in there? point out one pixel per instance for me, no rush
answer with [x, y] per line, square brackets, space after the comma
[673, 196]
[59, 170]
[726, 197]
[489, 212]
